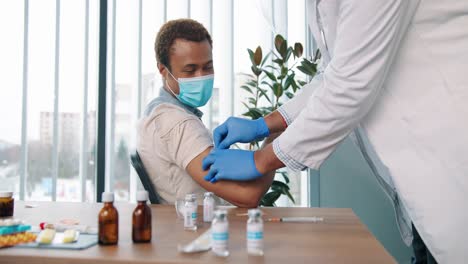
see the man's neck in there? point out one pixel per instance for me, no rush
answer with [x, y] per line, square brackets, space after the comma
[168, 90]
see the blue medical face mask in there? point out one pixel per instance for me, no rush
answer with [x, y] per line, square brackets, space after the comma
[194, 92]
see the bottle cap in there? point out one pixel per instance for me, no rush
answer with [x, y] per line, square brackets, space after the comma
[220, 213]
[189, 196]
[208, 194]
[255, 212]
[6, 194]
[142, 196]
[107, 197]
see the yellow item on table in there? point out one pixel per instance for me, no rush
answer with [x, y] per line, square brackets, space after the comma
[15, 239]
[69, 236]
[46, 236]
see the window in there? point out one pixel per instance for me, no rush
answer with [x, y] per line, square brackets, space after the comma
[11, 99]
[48, 99]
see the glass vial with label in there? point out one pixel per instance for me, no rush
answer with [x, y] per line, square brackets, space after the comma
[208, 207]
[108, 221]
[220, 233]
[141, 219]
[190, 212]
[195, 198]
[255, 233]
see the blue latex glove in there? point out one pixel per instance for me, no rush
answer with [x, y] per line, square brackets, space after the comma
[230, 164]
[239, 130]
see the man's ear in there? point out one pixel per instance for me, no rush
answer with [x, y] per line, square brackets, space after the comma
[162, 70]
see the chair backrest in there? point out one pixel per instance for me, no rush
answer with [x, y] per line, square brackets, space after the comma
[144, 178]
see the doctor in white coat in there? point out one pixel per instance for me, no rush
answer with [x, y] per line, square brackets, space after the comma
[396, 74]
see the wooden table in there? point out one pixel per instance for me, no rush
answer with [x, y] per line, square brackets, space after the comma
[340, 238]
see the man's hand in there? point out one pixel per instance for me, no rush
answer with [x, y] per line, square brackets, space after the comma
[239, 130]
[230, 164]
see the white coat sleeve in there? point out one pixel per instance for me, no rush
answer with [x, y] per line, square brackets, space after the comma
[292, 108]
[367, 37]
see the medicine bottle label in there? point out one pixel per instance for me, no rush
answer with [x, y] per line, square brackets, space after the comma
[219, 237]
[255, 237]
[190, 218]
[208, 211]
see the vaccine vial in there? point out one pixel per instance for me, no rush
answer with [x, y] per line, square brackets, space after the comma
[208, 207]
[141, 219]
[220, 233]
[108, 227]
[190, 212]
[255, 233]
[195, 199]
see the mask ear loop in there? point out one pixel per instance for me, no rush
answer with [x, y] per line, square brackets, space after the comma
[170, 89]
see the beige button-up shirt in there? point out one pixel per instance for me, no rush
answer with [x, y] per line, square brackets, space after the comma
[170, 135]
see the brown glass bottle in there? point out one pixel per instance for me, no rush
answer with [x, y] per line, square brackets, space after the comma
[108, 221]
[141, 220]
[7, 204]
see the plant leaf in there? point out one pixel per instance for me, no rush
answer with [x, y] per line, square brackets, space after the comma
[308, 63]
[253, 113]
[306, 70]
[278, 42]
[277, 90]
[278, 61]
[258, 56]
[301, 83]
[294, 86]
[257, 71]
[270, 75]
[298, 49]
[256, 113]
[268, 109]
[265, 59]
[279, 185]
[283, 50]
[247, 88]
[307, 67]
[252, 83]
[288, 53]
[251, 56]
[285, 176]
[282, 188]
[289, 80]
[288, 193]
[317, 55]
[263, 93]
[284, 72]
[270, 198]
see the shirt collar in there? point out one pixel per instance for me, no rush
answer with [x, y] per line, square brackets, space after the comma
[168, 97]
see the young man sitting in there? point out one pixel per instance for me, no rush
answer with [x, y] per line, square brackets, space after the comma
[172, 140]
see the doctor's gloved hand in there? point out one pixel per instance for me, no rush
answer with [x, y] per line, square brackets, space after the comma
[230, 164]
[241, 130]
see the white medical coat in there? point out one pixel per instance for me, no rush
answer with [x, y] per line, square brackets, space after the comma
[396, 72]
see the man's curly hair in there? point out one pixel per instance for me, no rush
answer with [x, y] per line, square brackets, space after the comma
[187, 29]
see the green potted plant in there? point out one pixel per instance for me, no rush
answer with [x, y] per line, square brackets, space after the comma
[269, 82]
